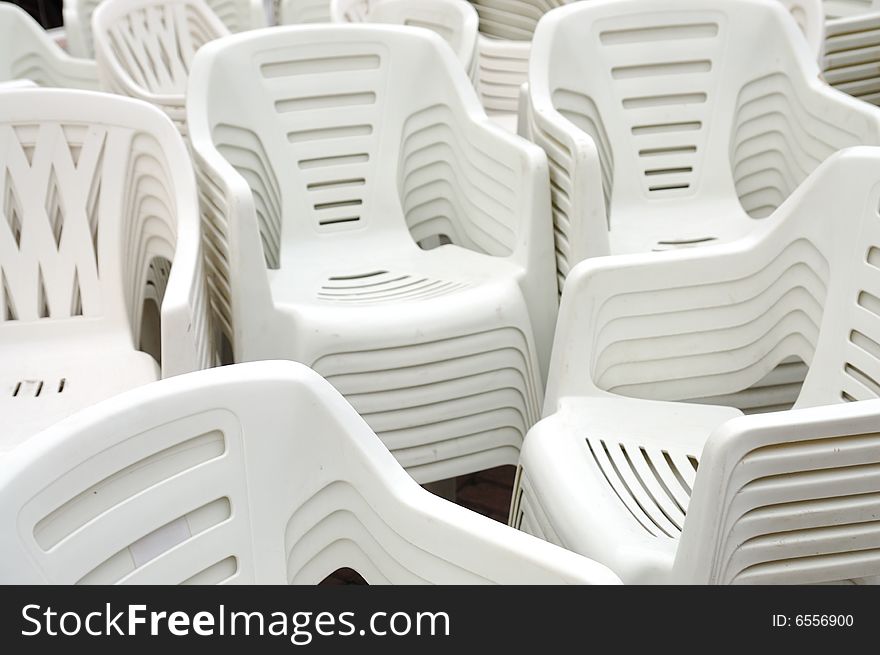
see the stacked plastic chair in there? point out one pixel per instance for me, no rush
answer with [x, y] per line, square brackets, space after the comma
[454, 20]
[668, 491]
[98, 201]
[851, 61]
[672, 128]
[28, 53]
[342, 148]
[236, 15]
[144, 49]
[141, 489]
[506, 28]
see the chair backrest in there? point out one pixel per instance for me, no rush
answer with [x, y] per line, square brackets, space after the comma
[144, 48]
[27, 52]
[786, 498]
[453, 20]
[92, 187]
[236, 15]
[323, 107]
[687, 101]
[256, 473]
[512, 20]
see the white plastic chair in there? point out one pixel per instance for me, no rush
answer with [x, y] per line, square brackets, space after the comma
[144, 49]
[679, 126]
[454, 20]
[236, 15]
[851, 61]
[506, 28]
[259, 473]
[337, 140]
[27, 52]
[98, 198]
[668, 491]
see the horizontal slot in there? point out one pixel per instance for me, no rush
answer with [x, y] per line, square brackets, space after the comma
[325, 102]
[320, 65]
[339, 203]
[325, 133]
[669, 171]
[158, 542]
[686, 242]
[130, 481]
[664, 100]
[669, 187]
[337, 160]
[870, 302]
[334, 221]
[667, 68]
[661, 33]
[873, 257]
[671, 150]
[356, 276]
[866, 343]
[862, 378]
[664, 128]
[334, 184]
[216, 573]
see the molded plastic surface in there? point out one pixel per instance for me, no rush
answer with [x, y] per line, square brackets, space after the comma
[27, 52]
[318, 177]
[257, 473]
[784, 497]
[98, 197]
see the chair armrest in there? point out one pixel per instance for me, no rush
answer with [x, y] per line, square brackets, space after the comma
[231, 236]
[576, 184]
[688, 324]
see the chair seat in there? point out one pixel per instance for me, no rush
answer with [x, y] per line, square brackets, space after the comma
[613, 465]
[46, 380]
[446, 373]
[341, 277]
[644, 231]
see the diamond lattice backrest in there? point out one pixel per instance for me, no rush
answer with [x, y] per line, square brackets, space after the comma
[87, 209]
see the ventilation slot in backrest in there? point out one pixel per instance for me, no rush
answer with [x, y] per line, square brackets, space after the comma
[136, 478]
[662, 79]
[329, 108]
[803, 512]
[151, 505]
[861, 365]
[654, 485]
[50, 196]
